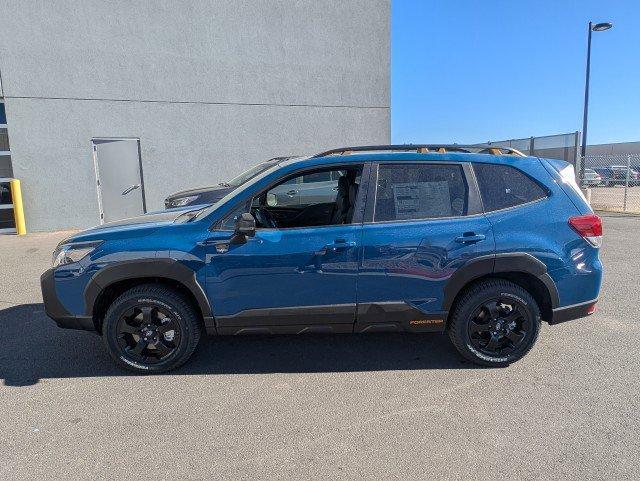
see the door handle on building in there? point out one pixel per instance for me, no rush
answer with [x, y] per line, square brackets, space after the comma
[129, 189]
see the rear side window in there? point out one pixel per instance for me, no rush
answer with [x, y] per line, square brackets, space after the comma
[503, 186]
[420, 191]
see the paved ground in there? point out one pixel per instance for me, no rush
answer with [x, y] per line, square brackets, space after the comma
[613, 199]
[370, 406]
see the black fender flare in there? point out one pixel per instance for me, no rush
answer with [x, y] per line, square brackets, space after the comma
[518, 262]
[141, 268]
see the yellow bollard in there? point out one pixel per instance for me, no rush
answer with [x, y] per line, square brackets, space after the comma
[18, 211]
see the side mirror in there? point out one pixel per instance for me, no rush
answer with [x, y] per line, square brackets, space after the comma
[245, 225]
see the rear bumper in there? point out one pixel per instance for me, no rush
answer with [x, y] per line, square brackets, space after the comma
[56, 311]
[576, 311]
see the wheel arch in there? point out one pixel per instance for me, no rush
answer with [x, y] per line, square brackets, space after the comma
[111, 281]
[520, 268]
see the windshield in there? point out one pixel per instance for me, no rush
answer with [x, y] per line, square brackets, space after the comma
[266, 168]
[250, 174]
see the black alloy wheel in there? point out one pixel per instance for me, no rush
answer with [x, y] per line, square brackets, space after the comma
[151, 328]
[499, 326]
[148, 334]
[494, 322]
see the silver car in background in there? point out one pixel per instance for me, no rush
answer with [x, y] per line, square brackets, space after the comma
[592, 178]
[317, 188]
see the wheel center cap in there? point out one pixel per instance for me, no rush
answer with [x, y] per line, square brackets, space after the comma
[147, 333]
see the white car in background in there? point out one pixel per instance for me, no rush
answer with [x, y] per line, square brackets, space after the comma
[591, 178]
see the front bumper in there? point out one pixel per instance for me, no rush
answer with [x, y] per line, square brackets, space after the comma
[56, 311]
[577, 311]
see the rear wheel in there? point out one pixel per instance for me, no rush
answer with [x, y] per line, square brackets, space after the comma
[494, 323]
[151, 328]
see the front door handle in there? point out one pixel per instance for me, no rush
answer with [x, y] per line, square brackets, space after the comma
[129, 189]
[339, 245]
[291, 193]
[470, 238]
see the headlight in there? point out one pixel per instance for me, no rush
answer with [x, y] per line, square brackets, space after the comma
[68, 253]
[182, 201]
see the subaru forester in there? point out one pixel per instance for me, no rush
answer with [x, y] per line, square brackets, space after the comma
[480, 242]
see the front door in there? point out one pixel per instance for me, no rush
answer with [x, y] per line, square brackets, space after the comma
[286, 281]
[119, 178]
[299, 272]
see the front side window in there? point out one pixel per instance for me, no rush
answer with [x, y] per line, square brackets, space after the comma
[317, 177]
[503, 186]
[317, 198]
[420, 191]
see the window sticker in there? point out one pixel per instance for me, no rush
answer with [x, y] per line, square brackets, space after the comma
[421, 200]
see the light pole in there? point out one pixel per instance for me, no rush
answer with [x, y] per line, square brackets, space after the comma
[598, 27]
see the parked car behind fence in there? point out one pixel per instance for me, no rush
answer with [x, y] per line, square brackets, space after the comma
[618, 189]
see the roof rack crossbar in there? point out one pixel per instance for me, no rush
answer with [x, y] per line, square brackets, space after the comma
[425, 148]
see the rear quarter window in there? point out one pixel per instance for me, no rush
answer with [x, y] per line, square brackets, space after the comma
[503, 186]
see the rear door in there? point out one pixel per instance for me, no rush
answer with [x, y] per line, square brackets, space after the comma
[423, 222]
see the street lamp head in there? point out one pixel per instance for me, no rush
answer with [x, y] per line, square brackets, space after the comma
[600, 27]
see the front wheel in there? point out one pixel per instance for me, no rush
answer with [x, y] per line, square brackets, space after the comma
[150, 329]
[494, 323]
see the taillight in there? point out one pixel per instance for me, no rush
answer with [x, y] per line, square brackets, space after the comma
[589, 227]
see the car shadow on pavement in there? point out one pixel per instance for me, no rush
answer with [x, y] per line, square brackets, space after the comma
[32, 347]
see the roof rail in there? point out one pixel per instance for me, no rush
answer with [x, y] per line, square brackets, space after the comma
[426, 148]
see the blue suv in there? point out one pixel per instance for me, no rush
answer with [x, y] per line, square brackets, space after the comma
[481, 242]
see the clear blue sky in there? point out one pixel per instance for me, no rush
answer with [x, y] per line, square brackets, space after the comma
[470, 71]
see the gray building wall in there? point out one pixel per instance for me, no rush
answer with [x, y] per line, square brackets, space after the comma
[619, 148]
[210, 88]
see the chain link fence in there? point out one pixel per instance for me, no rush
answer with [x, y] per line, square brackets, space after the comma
[613, 182]
[562, 146]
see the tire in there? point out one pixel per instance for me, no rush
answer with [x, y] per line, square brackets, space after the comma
[159, 319]
[497, 334]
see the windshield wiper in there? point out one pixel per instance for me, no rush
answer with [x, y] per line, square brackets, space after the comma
[224, 184]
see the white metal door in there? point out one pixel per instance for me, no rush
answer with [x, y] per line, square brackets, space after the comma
[119, 178]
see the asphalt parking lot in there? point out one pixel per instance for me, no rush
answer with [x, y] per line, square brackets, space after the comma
[350, 407]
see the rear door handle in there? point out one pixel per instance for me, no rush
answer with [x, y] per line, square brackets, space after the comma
[470, 239]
